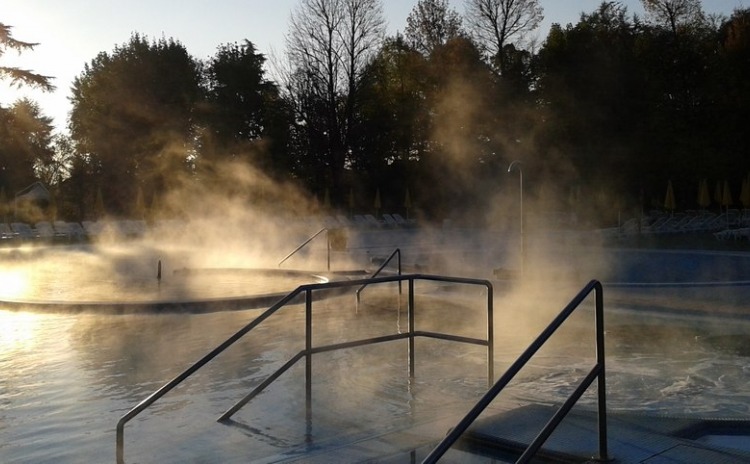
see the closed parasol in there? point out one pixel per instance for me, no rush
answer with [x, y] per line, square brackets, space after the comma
[407, 203]
[377, 204]
[745, 193]
[726, 196]
[669, 201]
[704, 198]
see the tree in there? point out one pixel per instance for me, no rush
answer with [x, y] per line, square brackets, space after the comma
[25, 139]
[431, 24]
[237, 90]
[133, 115]
[674, 14]
[244, 114]
[731, 90]
[595, 99]
[17, 75]
[54, 167]
[395, 124]
[497, 23]
[329, 44]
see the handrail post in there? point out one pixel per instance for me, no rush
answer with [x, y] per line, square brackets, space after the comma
[308, 360]
[410, 309]
[601, 379]
[120, 453]
[328, 248]
[490, 337]
[400, 292]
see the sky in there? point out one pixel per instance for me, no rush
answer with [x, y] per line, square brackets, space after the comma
[71, 33]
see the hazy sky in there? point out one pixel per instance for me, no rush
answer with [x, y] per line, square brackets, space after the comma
[71, 33]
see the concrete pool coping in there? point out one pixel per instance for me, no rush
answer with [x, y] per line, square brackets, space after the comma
[176, 305]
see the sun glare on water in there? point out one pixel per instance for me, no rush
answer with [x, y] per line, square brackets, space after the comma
[17, 329]
[13, 284]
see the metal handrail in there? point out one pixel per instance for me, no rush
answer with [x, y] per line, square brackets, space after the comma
[396, 252]
[309, 350]
[597, 372]
[304, 244]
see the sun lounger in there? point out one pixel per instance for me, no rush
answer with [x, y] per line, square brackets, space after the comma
[45, 230]
[23, 230]
[136, 227]
[360, 220]
[69, 230]
[344, 221]
[401, 221]
[93, 228]
[330, 222]
[372, 221]
[390, 221]
[5, 232]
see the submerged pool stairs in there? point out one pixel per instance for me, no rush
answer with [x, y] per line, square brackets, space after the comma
[501, 438]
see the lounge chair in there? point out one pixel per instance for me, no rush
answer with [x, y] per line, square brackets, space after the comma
[344, 221]
[401, 221]
[360, 220]
[136, 227]
[23, 230]
[330, 222]
[69, 230]
[45, 230]
[390, 221]
[5, 232]
[372, 221]
[93, 228]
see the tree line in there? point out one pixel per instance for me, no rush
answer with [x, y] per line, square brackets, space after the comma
[602, 113]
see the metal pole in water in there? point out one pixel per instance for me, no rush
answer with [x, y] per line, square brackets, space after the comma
[517, 164]
[158, 271]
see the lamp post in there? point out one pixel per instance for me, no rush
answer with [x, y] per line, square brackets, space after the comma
[517, 164]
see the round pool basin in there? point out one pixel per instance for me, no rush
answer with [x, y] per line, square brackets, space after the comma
[131, 278]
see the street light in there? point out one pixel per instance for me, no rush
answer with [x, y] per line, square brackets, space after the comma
[517, 164]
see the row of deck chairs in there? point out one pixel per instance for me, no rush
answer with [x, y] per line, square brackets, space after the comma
[742, 234]
[368, 221]
[689, 222]
[62, 231]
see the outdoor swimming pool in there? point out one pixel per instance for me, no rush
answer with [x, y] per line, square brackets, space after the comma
[68, 378]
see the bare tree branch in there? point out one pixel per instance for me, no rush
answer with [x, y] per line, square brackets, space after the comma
[497, 23]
